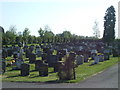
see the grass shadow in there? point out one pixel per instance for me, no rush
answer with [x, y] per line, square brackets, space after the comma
[13, 76]
[52, 72]
[34, 76]
[33, 70]
[56, 81]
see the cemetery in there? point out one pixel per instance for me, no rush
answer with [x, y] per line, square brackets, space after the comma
[23, 64]
[63, 57]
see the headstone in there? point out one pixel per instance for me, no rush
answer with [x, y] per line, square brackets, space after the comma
[32, 58]
[52, 59]
[57, 66]
[18, 63]
[115, 53]
[4, 53]
[25, 68]
[96, 59]
[9, 50]
[106, 56]
[15, 55]
[101, 58]
[27, 53]
[38, 64]
[3, 66]
[43, 70]
[39, 53]
[44, 56]
[37, 50]
[93, 53]
[79, 59]
[86, 56]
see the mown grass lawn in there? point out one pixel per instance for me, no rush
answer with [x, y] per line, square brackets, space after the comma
[82, 72]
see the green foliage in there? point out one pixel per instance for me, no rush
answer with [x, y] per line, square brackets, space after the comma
[9, 36]
[109, 25]
[41, 32]
[26, 33]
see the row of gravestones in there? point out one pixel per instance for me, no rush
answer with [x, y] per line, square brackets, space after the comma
[80, 59]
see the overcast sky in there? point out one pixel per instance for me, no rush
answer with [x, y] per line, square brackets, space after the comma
[77, 16]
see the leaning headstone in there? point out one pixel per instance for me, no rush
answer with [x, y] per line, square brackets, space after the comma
[43, 70]
[79, 59]
[32, 58]
[25, 68]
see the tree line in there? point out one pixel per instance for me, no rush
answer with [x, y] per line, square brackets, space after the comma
[46, 35]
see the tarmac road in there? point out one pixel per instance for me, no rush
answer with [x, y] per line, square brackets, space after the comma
[105, 79]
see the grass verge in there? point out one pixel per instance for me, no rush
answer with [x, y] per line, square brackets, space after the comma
[82, 72]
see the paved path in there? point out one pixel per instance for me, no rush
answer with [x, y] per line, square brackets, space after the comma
[105, 79]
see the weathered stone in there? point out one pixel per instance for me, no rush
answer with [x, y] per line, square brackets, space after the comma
[79, 59]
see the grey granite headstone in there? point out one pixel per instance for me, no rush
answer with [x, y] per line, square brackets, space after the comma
[79, 59]
[101, 58]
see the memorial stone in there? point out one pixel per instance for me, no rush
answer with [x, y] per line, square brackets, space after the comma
[79, 59]
[43, 70]
[101, 57]
[32, 58]
[25, 68]
[3, 65]
[38, 64]
[52, 59]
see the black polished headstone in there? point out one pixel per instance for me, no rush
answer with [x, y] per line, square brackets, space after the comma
[25, 68]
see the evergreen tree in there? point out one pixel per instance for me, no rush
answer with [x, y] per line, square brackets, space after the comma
[109, 25]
